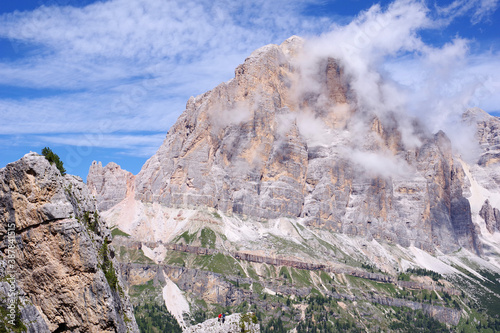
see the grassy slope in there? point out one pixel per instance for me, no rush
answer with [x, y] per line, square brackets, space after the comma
[287, 310]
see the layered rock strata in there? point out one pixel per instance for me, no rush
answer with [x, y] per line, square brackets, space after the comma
[487, 135]
[214, 288]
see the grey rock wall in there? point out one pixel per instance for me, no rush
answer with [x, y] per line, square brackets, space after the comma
[491, 217]
[262, 145]
[109, 184]
[59, 252]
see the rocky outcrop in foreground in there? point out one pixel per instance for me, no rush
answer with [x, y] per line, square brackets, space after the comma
[54, 250]
[232, 324]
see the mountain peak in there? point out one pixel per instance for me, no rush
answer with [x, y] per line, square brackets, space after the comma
[281, 139]
[109, 184]
[476, 114]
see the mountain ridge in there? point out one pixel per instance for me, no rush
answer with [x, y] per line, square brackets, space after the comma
[263, 163]
[280, 182]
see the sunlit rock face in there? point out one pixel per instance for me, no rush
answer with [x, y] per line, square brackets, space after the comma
[59, 252]
[285, 137]
[109, 184]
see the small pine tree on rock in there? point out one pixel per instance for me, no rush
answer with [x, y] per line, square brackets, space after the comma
[54, 159]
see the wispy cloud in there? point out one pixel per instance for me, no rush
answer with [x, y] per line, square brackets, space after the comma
[479, 10]
[125, 66]
[119, 39]
[394, 73]
[106, 140]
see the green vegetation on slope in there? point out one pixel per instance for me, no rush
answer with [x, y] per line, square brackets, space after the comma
[6, 322]
[219, 263]
[117, 232]
[301, 277]
[177, 258]
[275, 325]
[91, 221]
[320, 301]
[186, 236]
[107, 267]
[154, 318]
[142, 289]
[420, 272]
[133, 255]
[408, 320]
[207, 238]
[490, 301]
[246, 320]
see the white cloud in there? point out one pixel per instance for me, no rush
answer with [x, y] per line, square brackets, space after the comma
[444, 82]
[129, 66]
[313, 129]
[380, 164]
[88, 112]
[117, 39]
[365, 43]
[394, 73]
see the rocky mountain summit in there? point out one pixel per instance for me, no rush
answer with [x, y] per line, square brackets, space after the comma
[264, 146]
[110, 184]
[55, 255]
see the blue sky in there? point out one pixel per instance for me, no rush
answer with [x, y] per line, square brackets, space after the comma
[104, 80]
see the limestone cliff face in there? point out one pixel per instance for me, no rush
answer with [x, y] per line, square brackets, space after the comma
[485, 173]
[63, 269]
[487, 134]
[271, 143]
[109, 184]
[491, 217]
[227, 150]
